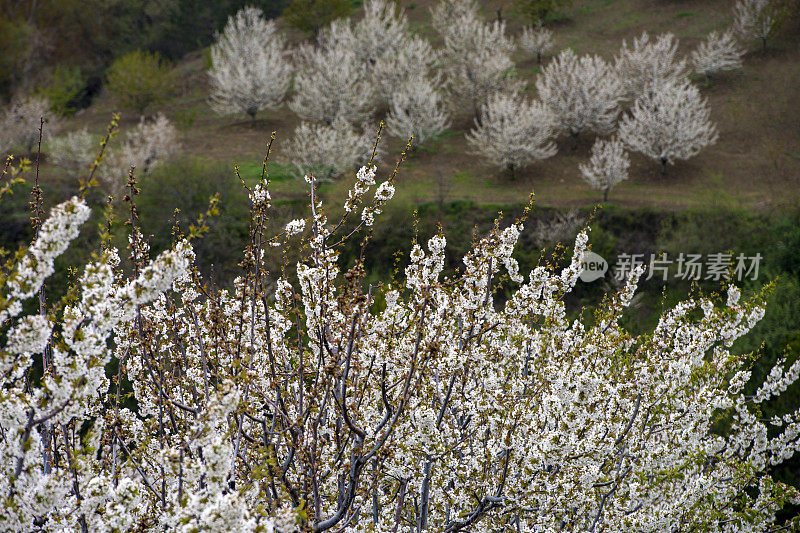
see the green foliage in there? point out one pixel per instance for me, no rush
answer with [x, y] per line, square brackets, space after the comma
[311, 16]
[139, 79]
[15, 46]
[251, 172]
[541, 10]
[192, 24]
[187, 185]
[66, 90]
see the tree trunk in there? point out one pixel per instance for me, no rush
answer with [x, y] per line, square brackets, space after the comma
[539, 58]
[663, 166]
[512, 171]
[605, 195]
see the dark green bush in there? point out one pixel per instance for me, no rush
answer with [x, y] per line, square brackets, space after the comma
[186, 185]
[66, 90]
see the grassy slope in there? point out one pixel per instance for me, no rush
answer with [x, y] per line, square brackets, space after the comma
[755, 165]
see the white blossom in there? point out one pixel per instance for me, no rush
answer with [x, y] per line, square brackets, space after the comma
[295, 226]
[607, 167]
[513, 132]
[249, 70]
[669, 124]
[416, 108]
[447, 404]
[646, 65]
[718, 52]
[583, 93]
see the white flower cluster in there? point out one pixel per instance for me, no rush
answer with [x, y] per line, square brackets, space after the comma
[295, 226]
[260, 197]
[60, 228]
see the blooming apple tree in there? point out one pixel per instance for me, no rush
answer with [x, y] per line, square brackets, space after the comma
[249, 70]
[669, 124]
[307, 399]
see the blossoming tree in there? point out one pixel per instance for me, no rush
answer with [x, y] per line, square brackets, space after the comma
[583, 93]
[536, 40]
[476, 58]
[513, 132]
[607, 167]
[717, 53]
[330, 151]
[249, 71]
[646, 65]
[669, 124]
[150, 143]
[756, 19]
[323, 93]
[416, 109]
[308, 399]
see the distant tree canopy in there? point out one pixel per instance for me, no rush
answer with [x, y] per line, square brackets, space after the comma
[89, 34]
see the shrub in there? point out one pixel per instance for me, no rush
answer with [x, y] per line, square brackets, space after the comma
[139, 79]
[66, 90]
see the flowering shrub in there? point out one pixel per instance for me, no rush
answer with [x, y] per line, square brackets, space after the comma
[327, 405]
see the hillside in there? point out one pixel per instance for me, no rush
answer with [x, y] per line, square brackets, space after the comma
[755, 164]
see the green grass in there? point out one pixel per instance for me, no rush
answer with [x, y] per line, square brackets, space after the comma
[250, 171]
